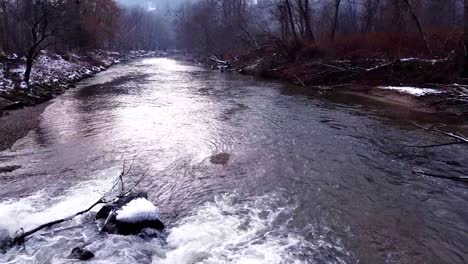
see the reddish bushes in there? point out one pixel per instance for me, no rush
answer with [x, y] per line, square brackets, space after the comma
[385, 45]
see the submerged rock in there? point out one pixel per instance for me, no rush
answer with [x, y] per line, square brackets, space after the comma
[5, 103]
[7, 169]
[81, 254]
[129, 215]
[221, 158]
[5, 240]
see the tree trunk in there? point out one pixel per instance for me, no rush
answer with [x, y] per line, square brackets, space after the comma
[304, 9]
[418, 24]
[6, 28]
[29, 65]
[465, 41]
[335, 19]
[291, 21]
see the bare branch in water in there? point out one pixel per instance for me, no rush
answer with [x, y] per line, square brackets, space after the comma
[455, 178]
[21, 236]
[459, 139]
[138, 182]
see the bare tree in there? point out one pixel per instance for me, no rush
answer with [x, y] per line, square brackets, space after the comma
[43, 19]
[290, 16]
[336, 10]
[304, 12]
[418, 25]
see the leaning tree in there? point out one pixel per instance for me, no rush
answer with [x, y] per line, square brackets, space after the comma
[42, 21]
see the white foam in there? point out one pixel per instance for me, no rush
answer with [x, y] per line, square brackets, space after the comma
[222, 232]
[411, 90]
[40, 208]
[229, 230]
[138, 210]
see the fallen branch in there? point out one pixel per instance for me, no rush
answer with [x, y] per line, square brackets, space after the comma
[434, 145]
[299, 80]
[137, 183]
[213, 58]
[459, 138]
[21, 236]
[328, 65]
[455, 178]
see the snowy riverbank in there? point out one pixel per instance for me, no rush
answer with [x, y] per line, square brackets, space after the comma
[53, 74]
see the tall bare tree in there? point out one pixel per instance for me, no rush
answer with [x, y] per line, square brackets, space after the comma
[43, 19]
[336, 11]
[418, 25]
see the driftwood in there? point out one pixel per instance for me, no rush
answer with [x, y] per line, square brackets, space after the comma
[459, 139]
[455, 178]
[215, 59]
[21, 236]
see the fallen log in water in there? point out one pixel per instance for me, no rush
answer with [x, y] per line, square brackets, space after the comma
[128, 214]
[21, 237]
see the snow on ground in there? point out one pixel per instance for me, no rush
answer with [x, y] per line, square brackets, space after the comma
[51, 73]
[433, 61]
[5, 84]
[411, 90]
[138, 210]
[49, 67]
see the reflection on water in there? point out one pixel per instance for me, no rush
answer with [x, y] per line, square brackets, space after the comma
[308, 180]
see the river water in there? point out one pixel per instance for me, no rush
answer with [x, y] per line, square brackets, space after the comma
[309, 180]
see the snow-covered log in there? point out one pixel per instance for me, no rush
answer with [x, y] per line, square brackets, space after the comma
[130, 215]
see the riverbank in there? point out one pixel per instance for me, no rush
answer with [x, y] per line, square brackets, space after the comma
[21, 105]
[17, 124]
[53, 74]
[429, 85]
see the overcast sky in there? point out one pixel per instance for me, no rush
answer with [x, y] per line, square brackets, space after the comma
[152, 3]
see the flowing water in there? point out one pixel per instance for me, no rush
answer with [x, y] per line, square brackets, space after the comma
[309, 180]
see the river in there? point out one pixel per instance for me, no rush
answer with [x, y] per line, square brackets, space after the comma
[309, 180]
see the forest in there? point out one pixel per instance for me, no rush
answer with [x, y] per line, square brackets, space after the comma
[343, 27]
[255, 37]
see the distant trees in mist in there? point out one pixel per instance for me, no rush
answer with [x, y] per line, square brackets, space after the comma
[393, 27]
[79, 24]
[390, 26]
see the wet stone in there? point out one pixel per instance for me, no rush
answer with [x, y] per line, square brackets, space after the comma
[143, 215]
[5, 240]
[81, 254]
[220, 159]
[7, 169]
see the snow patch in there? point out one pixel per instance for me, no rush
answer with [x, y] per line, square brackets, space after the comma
[433, 61]
[411, 90]
[138, 210]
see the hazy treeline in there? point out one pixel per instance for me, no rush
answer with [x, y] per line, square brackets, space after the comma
[29, 26]
[422, 26]
[85, 24]
[219, 26]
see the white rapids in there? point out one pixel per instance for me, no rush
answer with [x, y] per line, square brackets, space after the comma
[227, 230]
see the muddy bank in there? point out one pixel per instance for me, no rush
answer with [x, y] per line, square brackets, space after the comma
[17, 124]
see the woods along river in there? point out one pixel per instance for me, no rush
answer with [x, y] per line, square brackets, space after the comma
[307, 180]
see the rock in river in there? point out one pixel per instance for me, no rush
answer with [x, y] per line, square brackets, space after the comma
[5, 240]
[220, 159]
[7, 169]
[130, 215]
[81, 254]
